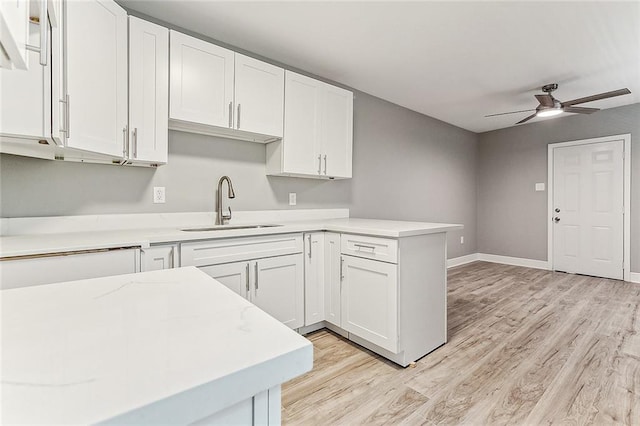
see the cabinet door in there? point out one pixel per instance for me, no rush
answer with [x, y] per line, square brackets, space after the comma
[158, 258]
[96, 76]
[370, 301]
[332, 278]
[278, 288]
[233, 275]
[337, 131]
[259, 96]
[201, 85]
[14, 21]
[148, 91]
[23, 101]
[313, 278]
[301, 124]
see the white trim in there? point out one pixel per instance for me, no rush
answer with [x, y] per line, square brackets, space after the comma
[462, 260]
[634, 277]
[516, 261]
[626, 138]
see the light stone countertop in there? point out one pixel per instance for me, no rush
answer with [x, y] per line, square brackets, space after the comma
[26, 245]
[168, 346]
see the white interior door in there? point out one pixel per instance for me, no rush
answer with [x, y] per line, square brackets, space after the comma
[97, 76]
[588, 198]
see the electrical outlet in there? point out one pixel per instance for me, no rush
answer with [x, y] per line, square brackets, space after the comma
[158, 195]
[540, 186]
[462, 240]
[292, 199]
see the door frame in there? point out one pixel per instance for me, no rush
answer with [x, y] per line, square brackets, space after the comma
[626, 138]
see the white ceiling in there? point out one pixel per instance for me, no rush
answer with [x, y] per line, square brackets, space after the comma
[455, 61]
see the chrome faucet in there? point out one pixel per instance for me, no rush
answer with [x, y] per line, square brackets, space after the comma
[222, 218]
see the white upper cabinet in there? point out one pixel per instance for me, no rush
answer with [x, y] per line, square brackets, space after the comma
[216, 91]
[201, 89]
[96, 76]
[318, 131]
[337, 131]
[14, 33]
[259, 96]
[148, 92]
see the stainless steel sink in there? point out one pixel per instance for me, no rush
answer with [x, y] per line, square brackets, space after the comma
[227, 228]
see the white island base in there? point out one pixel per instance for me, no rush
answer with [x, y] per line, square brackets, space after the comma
[163, 347]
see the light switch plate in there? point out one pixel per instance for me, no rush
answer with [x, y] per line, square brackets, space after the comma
[158, 195]
[540, 186]
[292, 199]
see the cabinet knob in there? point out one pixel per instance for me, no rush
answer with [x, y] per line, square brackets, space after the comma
[556, 219]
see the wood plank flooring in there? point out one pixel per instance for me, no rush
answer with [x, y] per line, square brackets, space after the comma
[526, 347]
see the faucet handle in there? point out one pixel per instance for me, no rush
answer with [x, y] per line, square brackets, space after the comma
[224, 216]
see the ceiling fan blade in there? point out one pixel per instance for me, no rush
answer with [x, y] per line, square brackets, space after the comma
[580, 110]
[591, 98]
[526, 119]
[545, 100]
[512, 112]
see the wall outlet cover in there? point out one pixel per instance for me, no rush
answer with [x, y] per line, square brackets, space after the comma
[462, 240]
[292, 199]
[158, 195]
[540, 186]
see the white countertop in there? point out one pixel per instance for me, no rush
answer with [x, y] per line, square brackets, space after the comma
[168, 346]
[25, 245]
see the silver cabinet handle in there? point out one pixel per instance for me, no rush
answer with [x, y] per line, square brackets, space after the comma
[231, 114]
[325, 164]
[65, 130]
[238, 118]
[125, 149]
[360, 246]
[256, 267]
[135, 142]
[247, 280]
[309, 246]
[44, 36]
[341, 268]
[319, 164]
[172, 258]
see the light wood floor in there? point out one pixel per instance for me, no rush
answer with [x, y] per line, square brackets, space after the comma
[526, 347]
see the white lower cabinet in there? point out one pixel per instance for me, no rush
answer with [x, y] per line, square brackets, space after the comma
[370, 301]
[156, 258]
[59, 267]
[261, 409]
[332, 279]
[275, 284]
[314, 278]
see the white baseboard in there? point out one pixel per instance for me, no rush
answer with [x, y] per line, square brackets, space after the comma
[516, 261]
[634, 277]
[462, 260]
[494, 258]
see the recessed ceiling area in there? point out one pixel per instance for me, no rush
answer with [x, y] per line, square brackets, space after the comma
[454, 61]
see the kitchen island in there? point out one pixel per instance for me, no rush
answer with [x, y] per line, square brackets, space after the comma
[171, 347]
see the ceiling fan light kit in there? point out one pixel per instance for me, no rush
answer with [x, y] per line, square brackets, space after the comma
[550, 106]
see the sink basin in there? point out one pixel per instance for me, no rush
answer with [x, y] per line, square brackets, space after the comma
[227, 228]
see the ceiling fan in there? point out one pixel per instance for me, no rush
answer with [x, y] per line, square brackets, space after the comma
[550, 106]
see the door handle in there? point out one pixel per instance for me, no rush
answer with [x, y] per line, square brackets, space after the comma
[556, 219]
[231, 114]
[256, 267]
[341, 268]
[557, 210]
[319, 164]
[325, 164]
[135, 142]
[309, 246]
[238, 118]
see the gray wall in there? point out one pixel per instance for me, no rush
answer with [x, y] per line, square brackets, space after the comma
[405, 166]
[512, 217]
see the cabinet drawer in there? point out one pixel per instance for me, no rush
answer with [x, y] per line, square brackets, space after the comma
[384, 249]
[213, 252]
